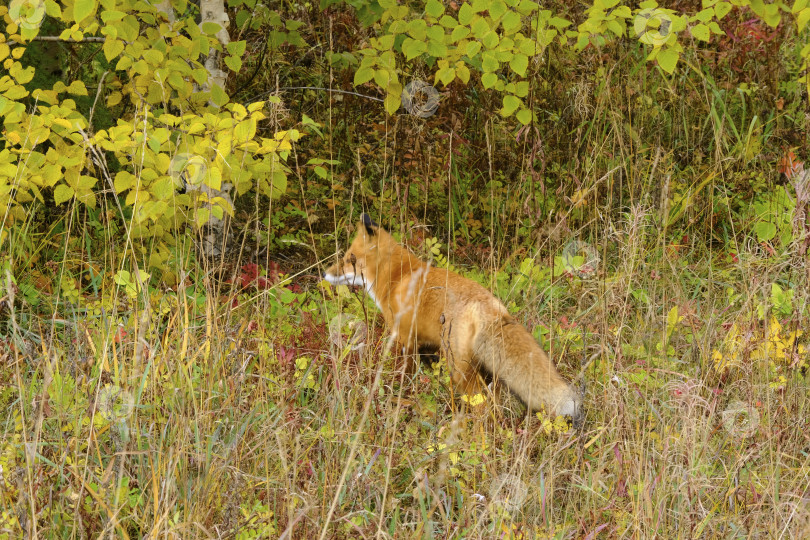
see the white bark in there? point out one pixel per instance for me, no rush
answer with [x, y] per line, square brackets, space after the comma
[214, 11]
[165, 6]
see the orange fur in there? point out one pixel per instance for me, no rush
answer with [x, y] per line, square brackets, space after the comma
[437, 308]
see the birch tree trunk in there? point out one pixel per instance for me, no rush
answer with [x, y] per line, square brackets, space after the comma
[213, 11]
[166, 7]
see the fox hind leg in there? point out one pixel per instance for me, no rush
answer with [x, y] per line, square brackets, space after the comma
[463, 367]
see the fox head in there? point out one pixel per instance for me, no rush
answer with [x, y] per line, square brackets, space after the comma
[358, 266]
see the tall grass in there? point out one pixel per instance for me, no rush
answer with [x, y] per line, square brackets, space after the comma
[207, 403]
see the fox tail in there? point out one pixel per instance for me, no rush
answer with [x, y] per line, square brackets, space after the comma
[510, 353]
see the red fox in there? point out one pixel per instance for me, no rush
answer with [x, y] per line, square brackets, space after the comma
[438, 309]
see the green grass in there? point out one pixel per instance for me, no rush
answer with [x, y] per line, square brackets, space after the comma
[182, 406]
[216, 413]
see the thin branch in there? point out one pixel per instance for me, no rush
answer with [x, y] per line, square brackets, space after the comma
[90, 39]
[316, 88]
[98, 93]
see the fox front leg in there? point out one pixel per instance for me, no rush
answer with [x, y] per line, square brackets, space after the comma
[407, 347]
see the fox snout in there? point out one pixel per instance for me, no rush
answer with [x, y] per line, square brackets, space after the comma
[569, 403]
[342, 274]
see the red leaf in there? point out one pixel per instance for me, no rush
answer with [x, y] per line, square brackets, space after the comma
[788, 164]
[120, 334]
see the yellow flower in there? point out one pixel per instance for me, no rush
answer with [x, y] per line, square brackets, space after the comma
[719, 361]
[475, 400]
[438, 448]
[561, 425]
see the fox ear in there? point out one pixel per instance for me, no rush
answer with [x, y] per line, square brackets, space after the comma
[370, 225]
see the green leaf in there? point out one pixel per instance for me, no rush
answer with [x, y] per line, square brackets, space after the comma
[218, 95]
[701, 32]
[363, 75]
[236, 48]
[617, 27]
[393, 100]
[210, 28]
[162, 189]
[279, 184]
[519, 63]
[465, 14]
[111, 16]
[53, 9]
[417, 28]
[112, 48]
[83, 9]
[782, 300]
[437, 49]
[412, 48]
[489, 63]
[434, 8]
[496, 9]
[123, 181]
[62, 193]
[524, 116]
[202, 216]
[490, 40]
[489, 80]
[772, 15]
[802, 18]
[765, 231]
[234, 63]
[672, 319]
[510, 105]
[200, 75]
[721, 9]
[435, 33]
[153, 56]
[463, 72]
[527, 7]
[480, 27]
[528, 47]
[213, 179]
[511, 22]
[448, 22]
[459, 33]
[382, 78]
[704, 15]
[446, 75]
[622, 12]
[668, 59]
[392, 103]
[86, 182]
[559, 22]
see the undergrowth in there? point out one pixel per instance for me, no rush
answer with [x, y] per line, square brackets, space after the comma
[650, 229]
[268, 405]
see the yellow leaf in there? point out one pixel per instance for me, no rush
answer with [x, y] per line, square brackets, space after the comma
[114, 99]
[392, 103]
[62, 122]
[13, 137]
